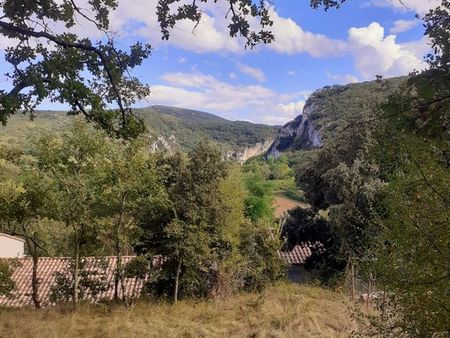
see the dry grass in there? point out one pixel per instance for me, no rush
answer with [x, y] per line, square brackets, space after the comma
[281, 311]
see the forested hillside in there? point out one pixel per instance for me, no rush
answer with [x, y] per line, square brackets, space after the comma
[378, 185]
[168, 128]
[328, 110]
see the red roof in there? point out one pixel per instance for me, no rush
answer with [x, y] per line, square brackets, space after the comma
[298, 254]
[47, 266]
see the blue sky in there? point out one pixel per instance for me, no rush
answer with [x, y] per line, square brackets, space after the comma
[209, 71]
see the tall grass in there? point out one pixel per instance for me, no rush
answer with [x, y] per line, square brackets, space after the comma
[281, 311]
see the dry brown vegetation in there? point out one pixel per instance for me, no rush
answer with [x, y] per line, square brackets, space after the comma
[281, 311]
[282, 204]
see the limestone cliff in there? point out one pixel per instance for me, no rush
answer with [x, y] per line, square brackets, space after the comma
[300, 133]
[243, 154]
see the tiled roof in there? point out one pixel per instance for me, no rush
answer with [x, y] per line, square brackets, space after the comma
[21, 296]
[48, 266]
[298, 254]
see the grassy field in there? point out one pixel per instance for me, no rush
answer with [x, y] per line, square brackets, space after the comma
[281, 311]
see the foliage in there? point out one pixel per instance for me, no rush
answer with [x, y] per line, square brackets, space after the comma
[88, 75]
[6, 283]
[258, 204]
[261, 264]
[200, 230]
[187, 231]
[92, 281]
[180, 129]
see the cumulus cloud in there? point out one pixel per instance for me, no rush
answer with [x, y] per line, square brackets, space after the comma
[205, 92]
[401, 26]
[417, 6]
[374, 53]
[290, 38]
[343, 78]
[254, 72]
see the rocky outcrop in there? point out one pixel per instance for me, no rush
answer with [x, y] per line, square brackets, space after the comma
[297, 134]
[244, 154]
[241, 155]
[163, 144]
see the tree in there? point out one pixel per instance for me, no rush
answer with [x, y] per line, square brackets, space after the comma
[258, 204]
[6, 282]
[187, 231]
[25, 209]
[72, 161]
[126, 184]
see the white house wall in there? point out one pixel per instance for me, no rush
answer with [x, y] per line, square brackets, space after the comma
[10, 247]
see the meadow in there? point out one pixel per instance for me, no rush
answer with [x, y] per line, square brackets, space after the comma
[283, 310]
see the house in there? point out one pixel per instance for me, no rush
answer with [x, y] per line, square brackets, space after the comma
[102, 269]
[11, 246]
[295, 259]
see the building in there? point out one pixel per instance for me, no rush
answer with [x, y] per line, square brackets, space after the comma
[11, 246]
[102, 269]
[295, 260]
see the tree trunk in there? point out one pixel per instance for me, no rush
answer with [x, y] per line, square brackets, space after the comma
[353, 280]
[177, 278]
[35, 282]
[119, 275]
[76, 272]
[33, 250]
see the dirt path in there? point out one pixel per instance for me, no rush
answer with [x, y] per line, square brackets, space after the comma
[282, 204]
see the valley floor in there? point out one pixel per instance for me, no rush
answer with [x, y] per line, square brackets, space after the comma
[284, 310]
[283, 203]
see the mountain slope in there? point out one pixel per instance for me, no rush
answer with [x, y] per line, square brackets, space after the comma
[169, 128]
[326, 111]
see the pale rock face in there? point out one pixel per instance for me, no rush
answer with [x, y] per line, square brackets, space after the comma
[241, 155]
[301, 131]
[162, 144]
[244, 154]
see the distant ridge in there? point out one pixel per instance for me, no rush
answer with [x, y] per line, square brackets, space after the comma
[169, 128]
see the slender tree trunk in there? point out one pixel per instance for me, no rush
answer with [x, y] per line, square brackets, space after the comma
[119, 274]
[35, 282]
[116, 276]
[177, 279]
[353, 280]
[76, 271]
[33, 251]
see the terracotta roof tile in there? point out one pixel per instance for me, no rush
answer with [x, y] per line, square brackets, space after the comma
[48, 266]
[299, 253]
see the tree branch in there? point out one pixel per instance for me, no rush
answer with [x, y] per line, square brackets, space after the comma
[67, 45]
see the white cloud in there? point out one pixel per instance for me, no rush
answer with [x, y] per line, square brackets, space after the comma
[291, 73]
[290, 38]
[254, 72]
[343, 79]
[182, 60]
[232, 76]
[287, 112]
[377, 54]
[205, 92]
[401, 26]
[417, 6]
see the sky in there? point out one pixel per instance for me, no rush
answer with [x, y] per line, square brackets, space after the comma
[207, 70]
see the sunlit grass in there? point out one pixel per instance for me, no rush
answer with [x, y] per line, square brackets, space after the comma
[281, 311]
